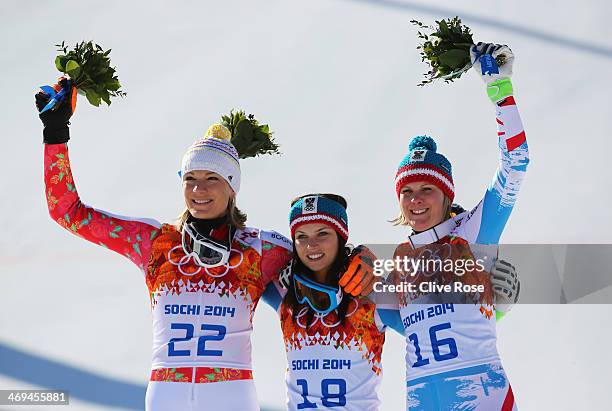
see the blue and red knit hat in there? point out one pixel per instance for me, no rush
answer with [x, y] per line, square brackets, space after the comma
[423, 163]
[318, 209]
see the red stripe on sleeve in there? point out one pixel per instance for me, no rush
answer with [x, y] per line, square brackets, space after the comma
[508, 401]
[515, 141]
[508, 101]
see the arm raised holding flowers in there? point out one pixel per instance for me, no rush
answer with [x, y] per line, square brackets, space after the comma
[446, 49]
[488, 219]
[130, 237]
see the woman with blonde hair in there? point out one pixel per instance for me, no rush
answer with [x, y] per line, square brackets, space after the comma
[204, 275]
[449, 313]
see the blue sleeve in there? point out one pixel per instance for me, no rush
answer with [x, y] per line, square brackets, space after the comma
[272, 295]
[485, 223]
[392, 319]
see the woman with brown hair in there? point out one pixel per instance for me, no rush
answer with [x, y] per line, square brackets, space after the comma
[333, 339]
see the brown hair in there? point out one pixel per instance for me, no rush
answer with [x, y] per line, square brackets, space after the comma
[236, 217]
[337, 268]
[402, 220]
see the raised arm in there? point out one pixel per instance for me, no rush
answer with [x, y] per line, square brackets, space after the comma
[486, 222]
[127, 236]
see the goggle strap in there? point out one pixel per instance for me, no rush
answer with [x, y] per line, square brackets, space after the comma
[195, 241]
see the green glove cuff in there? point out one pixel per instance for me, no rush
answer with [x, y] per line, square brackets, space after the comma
[499, 89]
[499, 315]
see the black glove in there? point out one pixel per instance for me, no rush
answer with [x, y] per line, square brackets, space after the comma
[57, 119]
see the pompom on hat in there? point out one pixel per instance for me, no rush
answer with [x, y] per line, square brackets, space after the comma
[424, 163]
[214, 152]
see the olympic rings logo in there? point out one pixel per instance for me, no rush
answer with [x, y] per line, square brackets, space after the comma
[186, 258]
[321, 317]
[435, 255]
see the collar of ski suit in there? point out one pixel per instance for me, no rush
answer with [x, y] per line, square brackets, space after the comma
[435, 233]
[216, 228]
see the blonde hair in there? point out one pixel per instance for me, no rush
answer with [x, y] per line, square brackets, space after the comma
[402, 220]
[236, 217]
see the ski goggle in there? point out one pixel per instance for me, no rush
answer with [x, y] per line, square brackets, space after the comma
[321, 298]
[205, 252]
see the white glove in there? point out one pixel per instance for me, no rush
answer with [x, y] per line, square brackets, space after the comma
[506, 285]
[483, 61]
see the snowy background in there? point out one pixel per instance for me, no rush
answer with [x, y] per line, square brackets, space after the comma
[336, 81]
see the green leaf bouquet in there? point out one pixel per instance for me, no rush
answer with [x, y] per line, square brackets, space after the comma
[250, 138]
[89, 67]
[446, 49]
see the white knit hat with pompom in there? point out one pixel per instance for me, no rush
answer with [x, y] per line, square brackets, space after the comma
[214, 152]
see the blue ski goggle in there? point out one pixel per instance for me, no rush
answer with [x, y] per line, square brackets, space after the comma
[321, 298]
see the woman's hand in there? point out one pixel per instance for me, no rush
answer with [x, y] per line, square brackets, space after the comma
[56, 119]
[506, 285]
[359, 278]
[484, 60]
